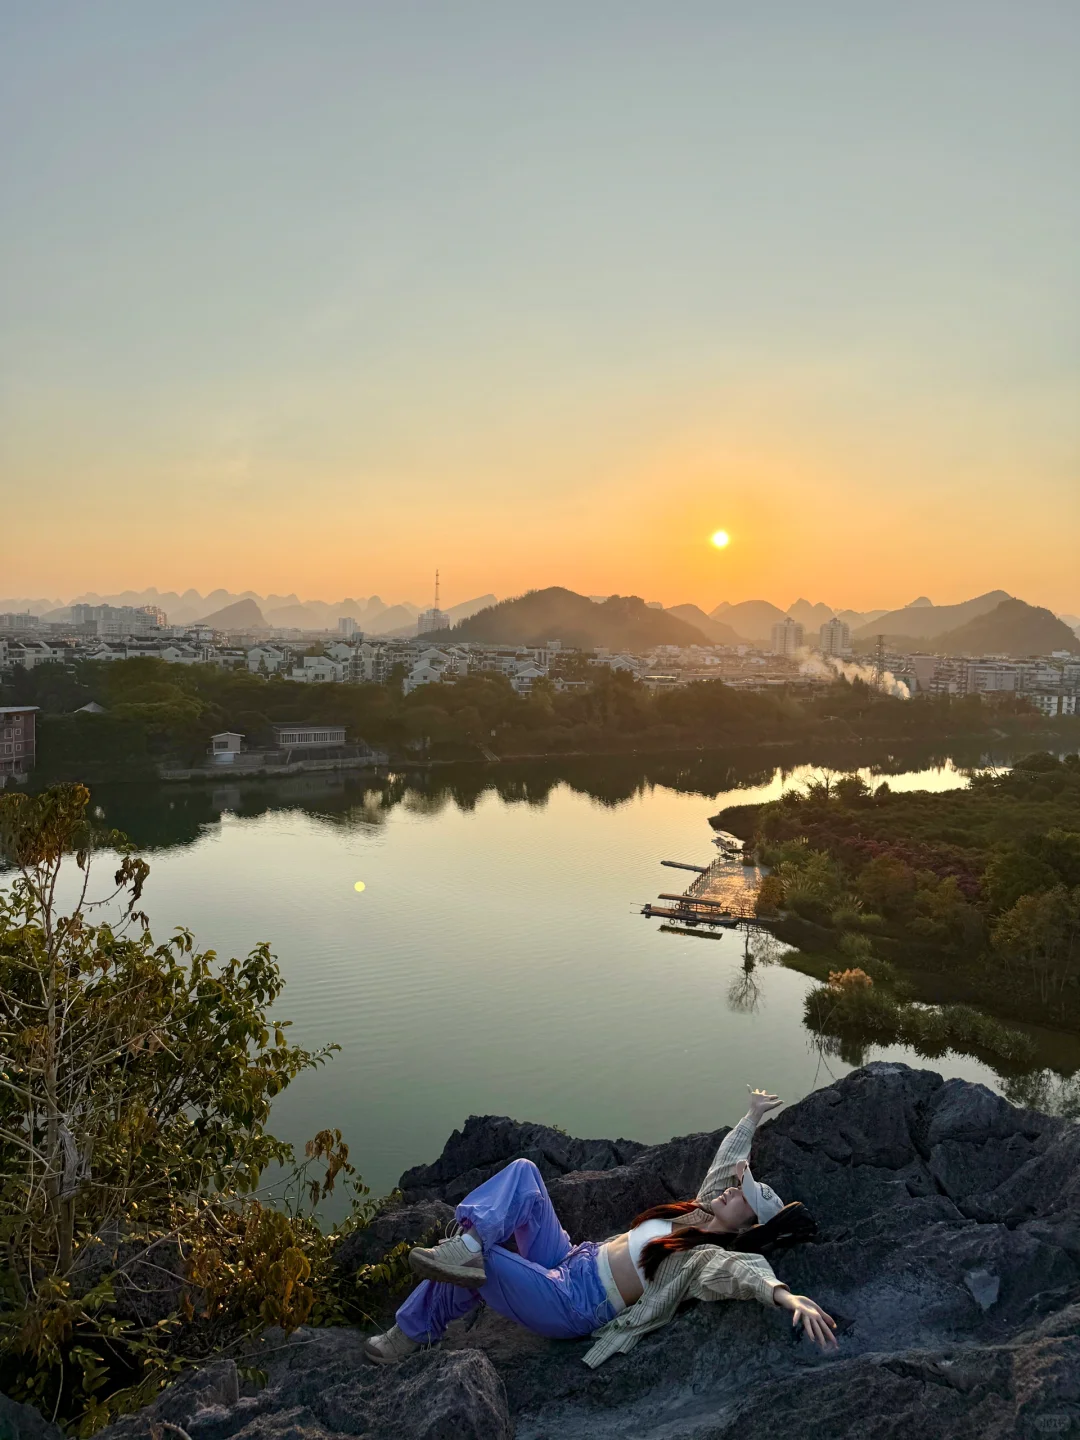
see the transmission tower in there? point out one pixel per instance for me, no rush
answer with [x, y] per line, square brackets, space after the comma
[879, 662]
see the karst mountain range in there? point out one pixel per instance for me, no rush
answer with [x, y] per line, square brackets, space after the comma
[992, 623]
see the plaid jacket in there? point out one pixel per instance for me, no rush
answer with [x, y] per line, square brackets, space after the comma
[704, 1273]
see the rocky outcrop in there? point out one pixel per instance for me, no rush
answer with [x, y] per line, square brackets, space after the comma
[948, 1251]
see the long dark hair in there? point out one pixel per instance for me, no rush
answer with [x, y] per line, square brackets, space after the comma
[792, 1225]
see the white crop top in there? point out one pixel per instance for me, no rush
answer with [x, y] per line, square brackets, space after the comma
[640, 1236]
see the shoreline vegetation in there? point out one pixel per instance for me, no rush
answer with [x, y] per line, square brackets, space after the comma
[157, 715]
[979, 887]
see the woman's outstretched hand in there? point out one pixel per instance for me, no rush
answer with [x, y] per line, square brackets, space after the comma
[815, 1322]
[761, 1102]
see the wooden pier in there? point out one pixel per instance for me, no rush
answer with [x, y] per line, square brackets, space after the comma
[721, 896]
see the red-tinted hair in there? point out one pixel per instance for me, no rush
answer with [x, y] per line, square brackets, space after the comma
[793, 1224]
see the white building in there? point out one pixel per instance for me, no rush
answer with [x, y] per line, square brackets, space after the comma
[834, 638]
[294, 736]
[348, 628]
[116, 622]
[425, 673]
[787, 637]
[318, 670]
[28, 654]
[430, 620]
[1052, 704]
[265, 659]
[225, 746]
[526, 676]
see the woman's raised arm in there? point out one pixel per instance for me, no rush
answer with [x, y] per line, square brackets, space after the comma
[735, 1146]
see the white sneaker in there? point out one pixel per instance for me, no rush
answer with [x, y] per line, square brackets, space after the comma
[451, 1261]
[390, 1347]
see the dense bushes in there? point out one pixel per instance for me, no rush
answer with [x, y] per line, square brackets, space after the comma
[852, 1012]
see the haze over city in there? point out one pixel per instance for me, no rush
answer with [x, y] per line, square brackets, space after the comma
[317, 302]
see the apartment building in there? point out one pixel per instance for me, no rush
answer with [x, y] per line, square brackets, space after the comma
[18, 741]
[787, 637]
[834, 638]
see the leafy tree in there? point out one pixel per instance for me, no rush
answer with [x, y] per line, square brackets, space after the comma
[1042, 934]
[887, 884]
[135, 1088]
[1014, 873]
[851, 789]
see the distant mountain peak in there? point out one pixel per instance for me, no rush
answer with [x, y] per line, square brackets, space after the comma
[241, 615]
[617, 622]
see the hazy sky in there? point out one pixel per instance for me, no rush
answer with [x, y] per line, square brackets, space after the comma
[315, 296]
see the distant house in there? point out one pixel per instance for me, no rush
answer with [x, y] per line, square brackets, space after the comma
[18, 741]
[267, 658]
[225, 746]
[318, 669]
[428, 672]
[292, 736]
[91, 708]
[526, 676]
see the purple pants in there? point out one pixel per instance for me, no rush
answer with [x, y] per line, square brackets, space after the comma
[549, 1286]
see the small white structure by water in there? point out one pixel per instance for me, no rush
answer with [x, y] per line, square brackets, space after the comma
[225, 746]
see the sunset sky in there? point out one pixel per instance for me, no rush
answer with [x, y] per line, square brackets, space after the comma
[315, 297]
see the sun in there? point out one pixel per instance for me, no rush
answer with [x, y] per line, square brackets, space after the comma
[720, 539]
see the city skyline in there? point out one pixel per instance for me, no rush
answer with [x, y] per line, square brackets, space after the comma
[550, 298]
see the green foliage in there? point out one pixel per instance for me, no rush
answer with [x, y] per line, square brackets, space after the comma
[1014, 873]
[984, 878]
[810, 879]
[887, 884]
[136, 1081]
[851, 789]
[1041, 934]
[852, 1011]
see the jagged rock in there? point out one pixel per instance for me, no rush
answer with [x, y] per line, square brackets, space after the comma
[427, 1219]
[318, 1385]
[948, 1251]
[23, 1422]
[484, 1143]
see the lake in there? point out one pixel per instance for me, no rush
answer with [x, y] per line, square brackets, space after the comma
[496, 960]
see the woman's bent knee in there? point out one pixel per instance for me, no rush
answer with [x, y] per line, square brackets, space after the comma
[526, 1167]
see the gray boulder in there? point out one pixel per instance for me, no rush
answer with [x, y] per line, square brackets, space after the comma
[23, 1422]
[319, 1385]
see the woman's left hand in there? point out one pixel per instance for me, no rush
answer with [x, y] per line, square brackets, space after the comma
[761, 1102]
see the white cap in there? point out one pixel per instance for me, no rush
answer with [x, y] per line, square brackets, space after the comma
[764, 1202]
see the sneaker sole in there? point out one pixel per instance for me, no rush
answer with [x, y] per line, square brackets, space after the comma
[469, 1277]
[374, 1358]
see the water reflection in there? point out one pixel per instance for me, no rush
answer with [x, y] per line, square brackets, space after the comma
[498, 961]
[164, 816]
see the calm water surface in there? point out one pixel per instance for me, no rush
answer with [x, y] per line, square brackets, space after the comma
[496, 960]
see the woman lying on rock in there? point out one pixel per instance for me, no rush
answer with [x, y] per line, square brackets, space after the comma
[708, 1248]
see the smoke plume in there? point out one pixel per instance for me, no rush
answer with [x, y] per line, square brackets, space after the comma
[829, 667]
